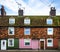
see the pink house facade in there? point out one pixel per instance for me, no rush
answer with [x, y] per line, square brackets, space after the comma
[32, 45]
[37, 44]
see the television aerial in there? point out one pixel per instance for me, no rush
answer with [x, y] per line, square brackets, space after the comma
[50, 5]
[19, 5]
[47, 3]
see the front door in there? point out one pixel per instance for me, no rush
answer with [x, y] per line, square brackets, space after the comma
[41, 44]
[3, 44]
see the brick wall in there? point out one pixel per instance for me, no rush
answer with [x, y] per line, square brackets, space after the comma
[35, 33]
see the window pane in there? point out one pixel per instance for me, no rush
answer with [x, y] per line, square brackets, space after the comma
[11, 30]
[11, 21]
[27, 31]
[49, 21]
[50, 42]
[27, 43]
[26, 21]
[50, 31]
[10, 42]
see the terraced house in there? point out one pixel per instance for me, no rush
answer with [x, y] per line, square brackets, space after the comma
[30, 32]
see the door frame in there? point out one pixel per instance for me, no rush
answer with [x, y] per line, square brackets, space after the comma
[44, 43]
[5, 45]
[59, 44]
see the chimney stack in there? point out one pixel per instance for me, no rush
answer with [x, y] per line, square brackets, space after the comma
[52, 11]
[3, 12]
[20, 12]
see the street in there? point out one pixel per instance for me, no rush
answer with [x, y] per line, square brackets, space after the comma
[30, 51]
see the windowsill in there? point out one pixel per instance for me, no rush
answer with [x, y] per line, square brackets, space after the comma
[49, 46]
[10, 46]
[10, 35]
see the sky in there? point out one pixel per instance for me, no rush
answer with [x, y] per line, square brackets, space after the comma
[30, 7]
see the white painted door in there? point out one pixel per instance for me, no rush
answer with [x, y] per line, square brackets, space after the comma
[3, 44]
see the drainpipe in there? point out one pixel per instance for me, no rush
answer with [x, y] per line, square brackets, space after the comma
[38, 45]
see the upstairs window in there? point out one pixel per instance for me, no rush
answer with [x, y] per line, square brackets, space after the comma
[26, 42]
[27, 31]
[11, 31]
[49, 21]
[27, 21]
[11, 20]
[50, 31]
[11, 42]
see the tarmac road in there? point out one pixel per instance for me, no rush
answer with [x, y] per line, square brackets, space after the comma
[30, 51]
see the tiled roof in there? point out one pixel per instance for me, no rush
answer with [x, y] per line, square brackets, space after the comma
[34, 21]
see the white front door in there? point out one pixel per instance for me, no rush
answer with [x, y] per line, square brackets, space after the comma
[3, 44]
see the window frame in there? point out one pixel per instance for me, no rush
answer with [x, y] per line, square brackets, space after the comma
[49, 21]
[26, 30]
[49, 31]
[27, 40]
[9, 30]
[12, 22]
[27, 21]
[9, 43]
[50, 44]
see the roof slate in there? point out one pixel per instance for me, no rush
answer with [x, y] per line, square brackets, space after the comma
[34, 21]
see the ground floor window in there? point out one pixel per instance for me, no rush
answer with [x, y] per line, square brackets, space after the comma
[26, 42]
[11, 42]
[49, 42]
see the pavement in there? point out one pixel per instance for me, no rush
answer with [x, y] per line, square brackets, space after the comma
[29, 50]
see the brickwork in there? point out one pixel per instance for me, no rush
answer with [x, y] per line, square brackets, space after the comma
[34, 33]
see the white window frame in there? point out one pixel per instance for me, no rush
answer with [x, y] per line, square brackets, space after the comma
[27, 21]
[25, 30]
[12, 42]
[49, 31]
[51, 43]
[11, 20]
[12, 28]
[27, 40]
[49, 21]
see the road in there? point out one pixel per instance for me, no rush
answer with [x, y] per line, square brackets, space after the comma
[30, 51]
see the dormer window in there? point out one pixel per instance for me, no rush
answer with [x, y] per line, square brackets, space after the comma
[27, 21]
[11, 20]
[49, 21]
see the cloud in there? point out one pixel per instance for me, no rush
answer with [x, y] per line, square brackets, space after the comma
[9, 4]
[32, 7]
